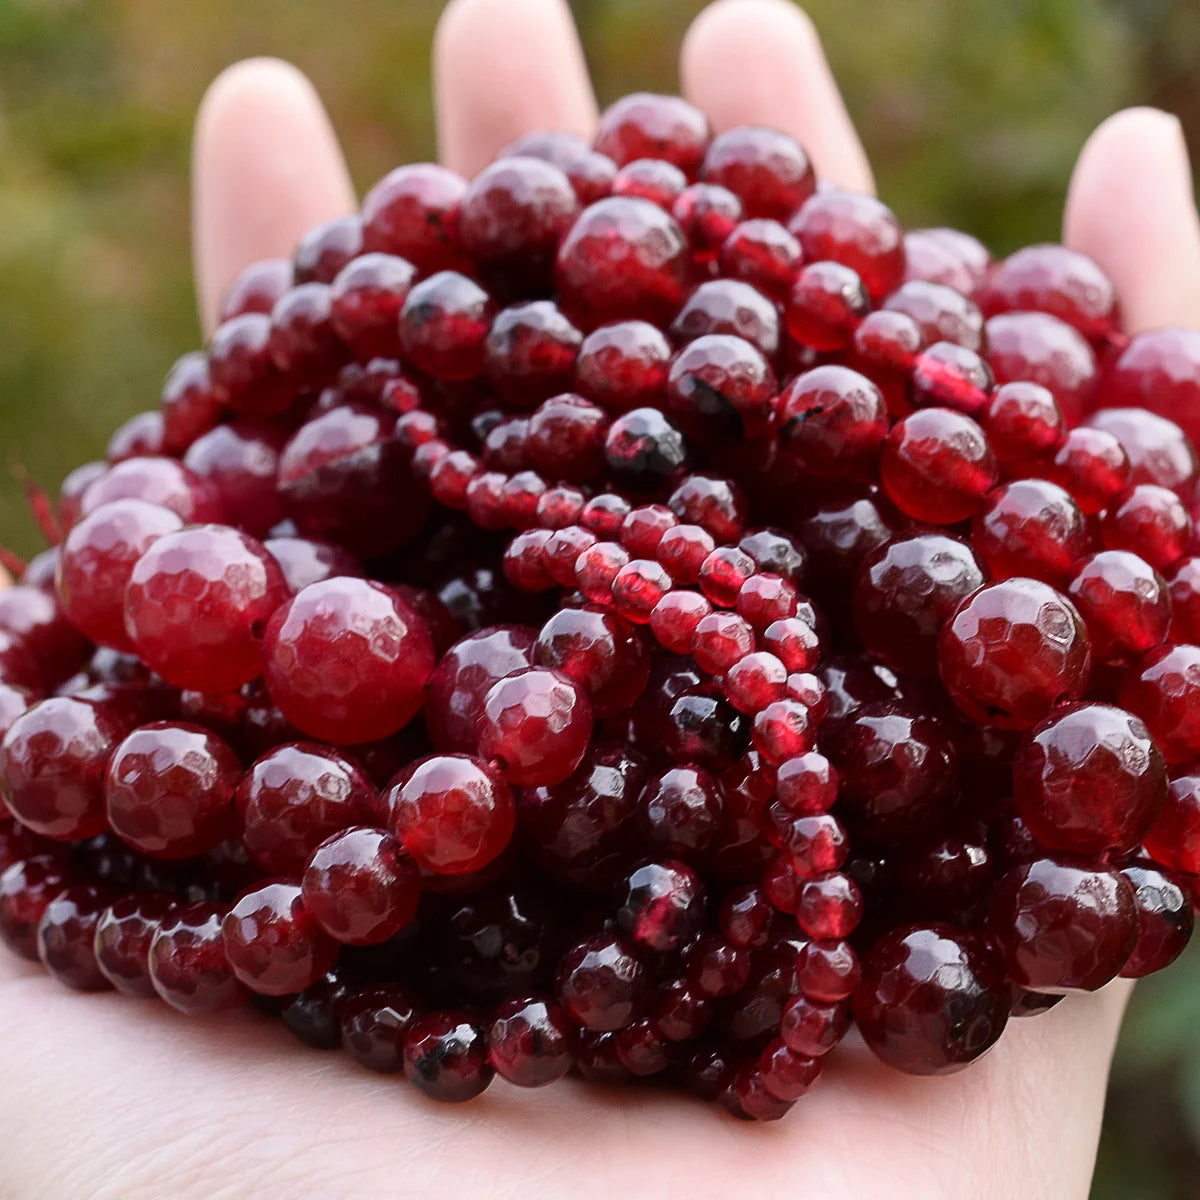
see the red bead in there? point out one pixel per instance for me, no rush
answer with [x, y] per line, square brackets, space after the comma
[346, 660]
[413, 212]
[256, 287]
[601, 983]
[754, 681]
[1024, 425]
[806, 785]
[857, 231]
[52, 765]
[361, 887]
[784, 729]
[682, 811]
[524, 561]
[637, 589]
[1174, 839]
[623, 365]
[66, 938]
[243, 375]
[36, 622]
[366, 298]
[932, 1000]
[169, 790]
[530, 1041]
[937, 466]
[1183, 584]
[825, 305]
[293, 798]
[645, 125]
[1163, 688]
[1089, 780]
[942, 314]
[304, 342]
[716, 967]
[241, 461]
[536, 724]
[197, 603]
[123, 935]
[188, 967]
[723, 574]
[623, 258]
[1012, 652]
[661, 905]
[1152, 522]
[1061, 923]
[745, 916]
[951, 376]
[97, 559]
[445, 1056]
[326, 248]
[1160, 371]
[720, 387]
[444, 325]
[885, 348]
[793, 641]
[272, 942]
[707, 213]
[1125, 604]
[720, 640]
[828, 971]
[530, 352]
[1165, 919]
[1030, 527]
[605, 514]
[1055, 280]
[1035, 347]
[716, 505]
[813, 1027]
[763, 254]
[652, 179]
[142, 435]
[683, 550]
[1093, 466]
[643, 528]
[454, 814]
[27, 886]
[767, 170]
[832, 422]
[829, 906]
[675, 617]
[596, 570]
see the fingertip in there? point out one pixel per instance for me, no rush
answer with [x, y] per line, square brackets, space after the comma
[1131, 207]
[503, 68]
[266, 167]
[761, 62]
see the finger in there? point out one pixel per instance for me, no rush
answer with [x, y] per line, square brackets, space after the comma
[266, 167]
[760, 62]
[503, 68]
[1131, 207]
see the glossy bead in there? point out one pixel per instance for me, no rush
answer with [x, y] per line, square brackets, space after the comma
[122, 940]
[1161, 687]
[645, 125]
[188, 967]
[1093, 466]
[829, 906]
[767, 170]
[346, 660]
[1160, 371]
[256, 287]
[1062, 924]
[661, 905]
[530, 1041]
[293, 798]
[855, 230]
[536, 724]
[1159, 451]
[413, 212]
[652, 179]
[169, 787]
[793, 641]
[374, 1023]
[27, 886]
[932, 999]
[1152, 522]
[937, 466]
[824, 306]
[444, 325]
[272, 942]
[1165, 919]
[1030, 527]
[951, 376]
[623, 365]
[717, 968]
[683, 551]
[197, 603]
[904, 593]
[601, 983]
[675, 617]
[832, 422]
[1174, 839]
[720, 640]
[326, 248]
[66, 936]
[454, 814]
[1012, 652]
[1125, 604]
[600, 651]
[361, 887]
[1036, 347]
[445, 1056]
[643, 450]
[828, 971]
[1024, 424]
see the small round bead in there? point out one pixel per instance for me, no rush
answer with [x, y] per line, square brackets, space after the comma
[794, 642]
[828, 971]
[674, 619]
[524, 561]
[937, 466]
[1159, 451]
[66, 937]
[661, 905]
[623, 365]
[444, 325]
[784, 729]
[413, 212]
[1036, 347]
[652, 179]
[763, 254]
[806, 785]
[326, 248]
[188, 967]
[27, 886]
[681, 811]
[717, 967]
[454, 814]
[1163, 688]
[536, 723]
[122, 940]
[646, 125]
[716, 505]
[1152, 522]
[856, 230]
[832, 422]
[361, 887]
[720, 640]
[707, 213]
[1030, 527]
[530, 1041]
[601, 983]
[745, 916]
[1165, 919]
[1093, 466]
[1024, 424]
[1125, 604]
[1062, 923]
[813, 1027]
[561, 552]
[597, 568]
[1174, 839]
[604, 515]
[829, 906]
[1013, 651]
[932, 999]
[256, 287]
[643, 450]
[272, 942]
[445, 1056]
[768, 171]
[825, 305]
[638, 588]
[374, 1023]
[723, 573]
[683, 550]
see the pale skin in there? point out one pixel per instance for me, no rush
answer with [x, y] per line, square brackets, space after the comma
[109, 1099]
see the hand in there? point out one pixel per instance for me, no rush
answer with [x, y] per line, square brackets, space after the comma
[115, 1100]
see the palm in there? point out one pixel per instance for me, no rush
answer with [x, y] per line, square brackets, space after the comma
[108, 1098]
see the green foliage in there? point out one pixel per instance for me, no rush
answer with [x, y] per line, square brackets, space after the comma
[972, 111]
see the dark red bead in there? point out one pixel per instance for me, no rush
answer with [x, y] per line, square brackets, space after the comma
[530, 1041]
[1165, 919]
[601, 983]
[445, 1055]
[188, 967]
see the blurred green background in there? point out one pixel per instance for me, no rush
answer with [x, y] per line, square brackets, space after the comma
[972, 111]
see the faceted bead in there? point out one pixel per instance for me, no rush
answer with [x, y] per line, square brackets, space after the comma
[645, 125]
[66, 936]
[188, 967]
[1160, 371]
[413, 212]
[825, 305]
[374, 1023]
[1125, 604]
[27, 886]
[832, 422]
[682, 812]
[1152, 522]
[1093, 466]
[1165, 919]
[1036, 347]
[1159, 451]
[1162, 687]
[530, 1041]
[857, 231]
[661, 905]
[932, 999]
[600, 651]
[445, 1056]
[1030, 527]
[767, 170]
[623, 365]
[601, 983]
